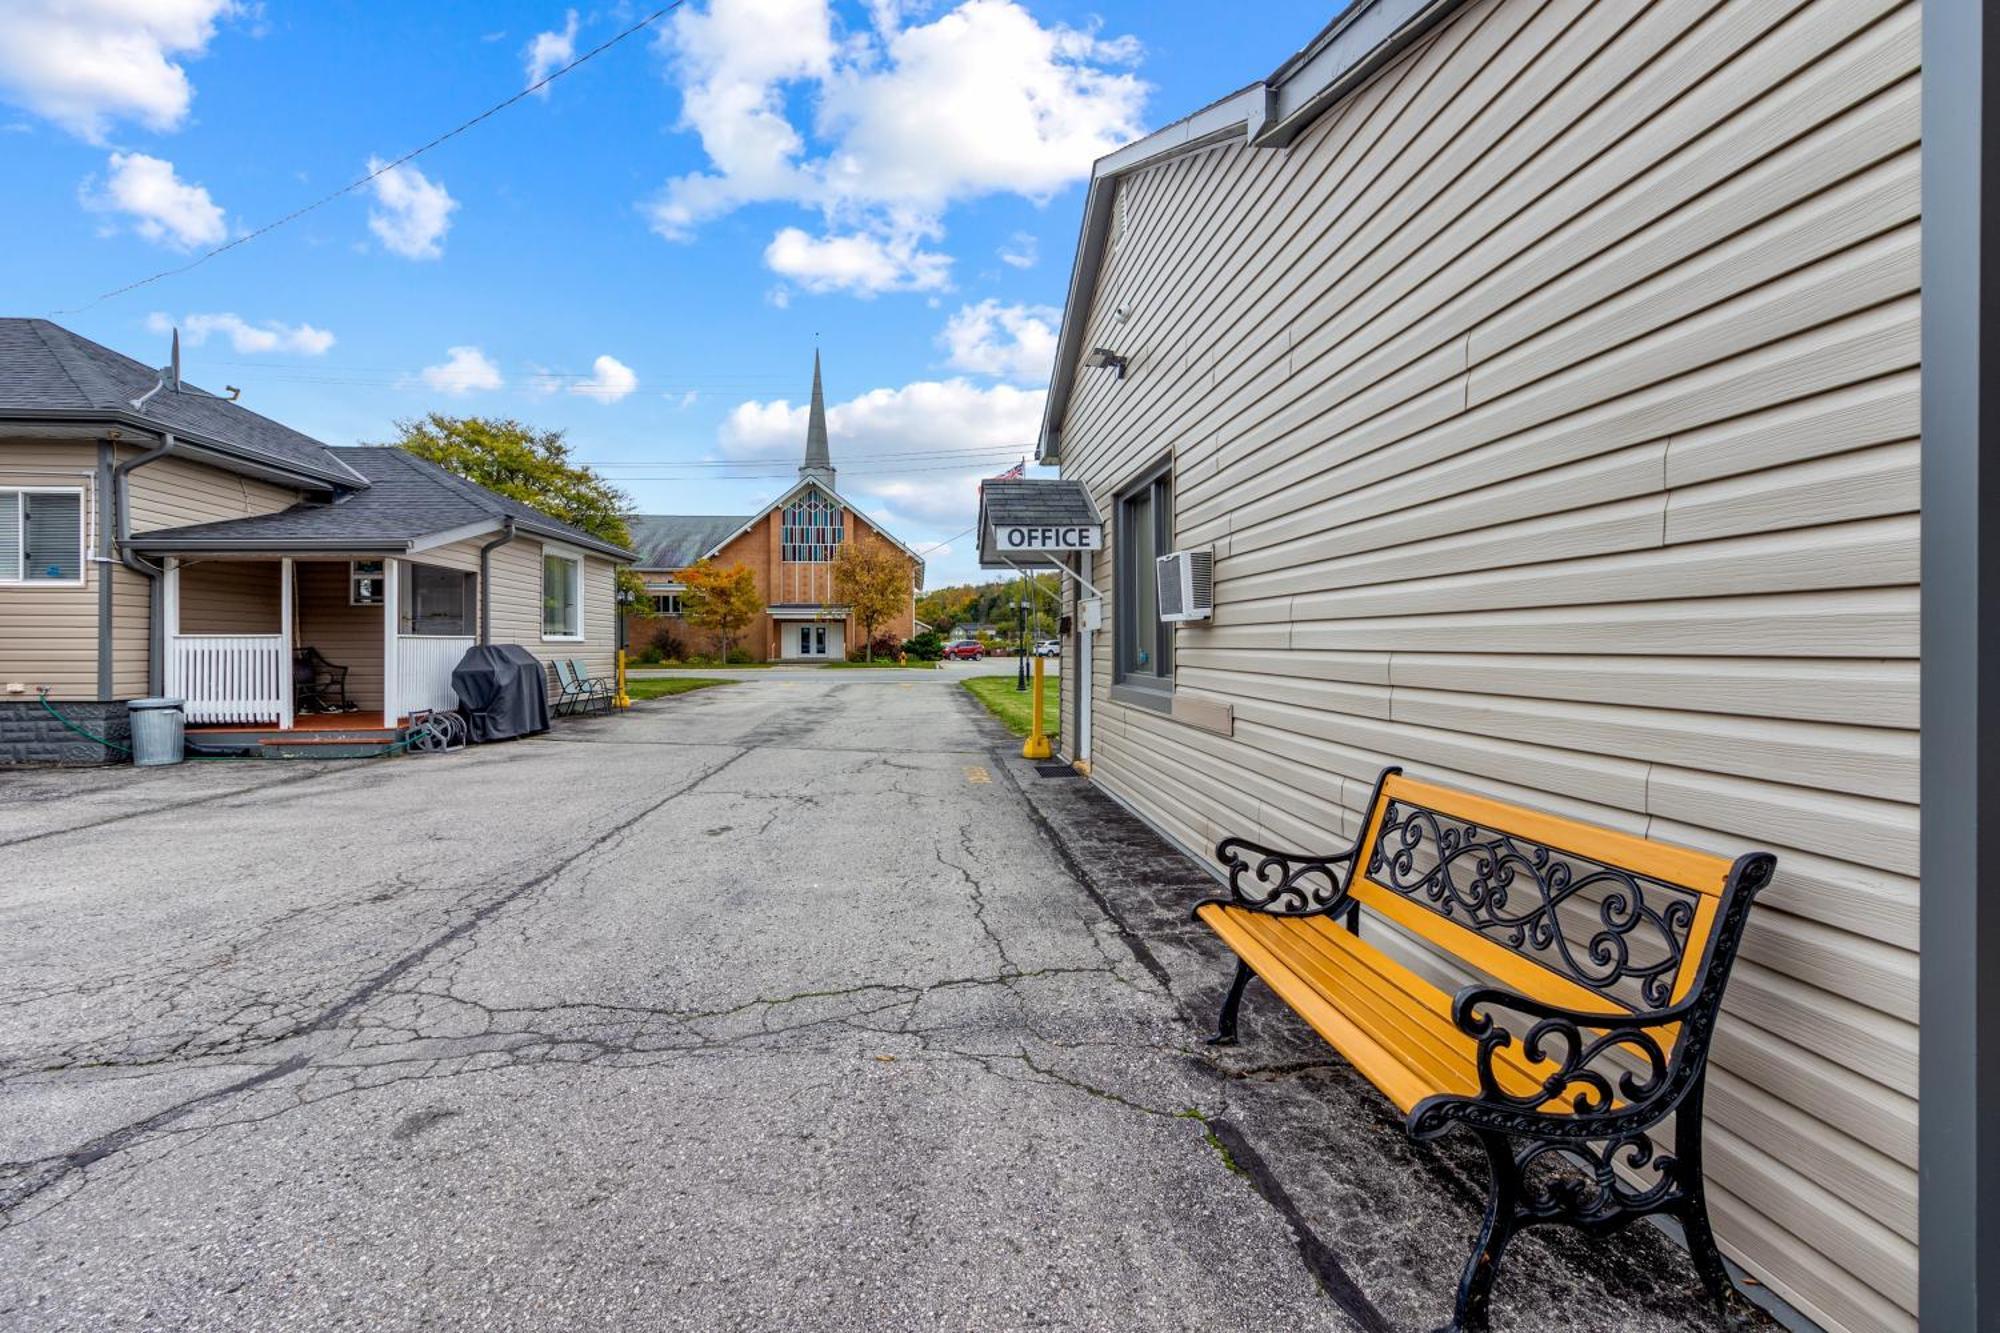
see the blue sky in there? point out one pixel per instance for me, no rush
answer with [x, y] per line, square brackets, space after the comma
[643, 254]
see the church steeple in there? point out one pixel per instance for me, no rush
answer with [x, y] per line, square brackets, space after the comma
[819, 463]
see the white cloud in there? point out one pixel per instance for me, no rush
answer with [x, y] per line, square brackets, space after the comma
[1021, 251]
[86, 64]
[550, 51]
[465, 370]
[858, 262]
[413, 212]
[1010, 341]
[162, 206]
[269, 336]
[923, 417]
[610, 380]
[906, 119]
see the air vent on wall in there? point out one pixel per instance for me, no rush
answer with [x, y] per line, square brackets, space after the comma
[1187, 585]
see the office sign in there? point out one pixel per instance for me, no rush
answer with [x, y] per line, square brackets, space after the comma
[1039, 539]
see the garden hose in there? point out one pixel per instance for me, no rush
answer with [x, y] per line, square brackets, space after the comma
[196, 750]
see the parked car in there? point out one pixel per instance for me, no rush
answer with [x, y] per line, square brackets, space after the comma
[1048, 648]
[966, 650]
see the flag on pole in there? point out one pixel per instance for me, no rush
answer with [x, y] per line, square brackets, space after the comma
[1014, 473]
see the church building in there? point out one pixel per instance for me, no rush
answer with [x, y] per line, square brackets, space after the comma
[789, 545]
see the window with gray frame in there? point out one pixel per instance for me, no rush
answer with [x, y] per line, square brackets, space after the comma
[41, 536]
[1145, 532]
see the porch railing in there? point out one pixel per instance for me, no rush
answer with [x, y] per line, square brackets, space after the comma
[424, 664]
[228, 677]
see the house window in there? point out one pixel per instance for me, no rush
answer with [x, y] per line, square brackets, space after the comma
[364, 583]
[1145, 643]
[437, 601]
[562, 597]
[666, 604]
[812, 529]
[41, 536]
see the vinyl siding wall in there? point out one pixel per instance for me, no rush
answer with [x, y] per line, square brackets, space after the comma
[1551, 407]
[516, 570]
[48, 634]
[168, 494]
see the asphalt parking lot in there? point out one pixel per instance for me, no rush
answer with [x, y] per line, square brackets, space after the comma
[800, 1003]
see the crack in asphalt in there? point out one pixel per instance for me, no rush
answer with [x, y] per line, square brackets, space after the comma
[405, 1022]
[48, 1172]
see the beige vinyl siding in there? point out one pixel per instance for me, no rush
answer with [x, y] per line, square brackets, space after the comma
[1551, 407]
[516, 570]
[231, 597]
[48, 634]
[173, 492]
[346, 635]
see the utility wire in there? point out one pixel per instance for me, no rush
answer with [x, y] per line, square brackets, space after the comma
[414, 153]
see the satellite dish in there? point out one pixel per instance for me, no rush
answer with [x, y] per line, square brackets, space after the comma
[177, 359]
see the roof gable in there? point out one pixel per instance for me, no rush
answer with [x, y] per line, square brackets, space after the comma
[48, 372]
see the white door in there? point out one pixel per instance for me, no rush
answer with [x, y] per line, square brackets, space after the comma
[816, 641]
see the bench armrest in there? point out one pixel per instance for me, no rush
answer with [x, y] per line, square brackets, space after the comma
[1600, 1099]
[1281, 883]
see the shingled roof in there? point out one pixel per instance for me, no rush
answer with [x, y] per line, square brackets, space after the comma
[675, 541]
[48, 373]
[407, 501]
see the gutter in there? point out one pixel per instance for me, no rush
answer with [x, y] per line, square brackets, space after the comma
[283, 471]
[507, 534]
[156, 659]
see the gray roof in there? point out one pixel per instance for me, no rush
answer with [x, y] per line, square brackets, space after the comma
[1031, 502]
[406, 500]
[675, 541]
[48, 373]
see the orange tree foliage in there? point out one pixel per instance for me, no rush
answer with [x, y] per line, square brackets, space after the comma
[874, 582]
[720, 598]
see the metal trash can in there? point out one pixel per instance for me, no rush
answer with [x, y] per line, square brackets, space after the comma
[158, 731]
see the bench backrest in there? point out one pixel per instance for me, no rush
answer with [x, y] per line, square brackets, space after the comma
[1575, 914]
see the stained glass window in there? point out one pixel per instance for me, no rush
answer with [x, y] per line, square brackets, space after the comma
[812, 529]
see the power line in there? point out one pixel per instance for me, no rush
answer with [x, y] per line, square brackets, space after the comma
[970, 457]
[414, 153]
[793, 472]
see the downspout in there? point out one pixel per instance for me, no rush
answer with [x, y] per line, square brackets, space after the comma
[107, 457]
[486, 582]
[156, 659]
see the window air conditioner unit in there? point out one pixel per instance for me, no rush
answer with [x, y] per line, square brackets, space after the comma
[1187, 585]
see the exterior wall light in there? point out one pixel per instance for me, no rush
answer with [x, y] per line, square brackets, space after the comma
[1102, 357]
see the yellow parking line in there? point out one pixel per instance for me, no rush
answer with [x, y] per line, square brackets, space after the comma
[974, 773]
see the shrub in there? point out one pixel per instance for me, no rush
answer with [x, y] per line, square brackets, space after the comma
[650, 655]
[668, 642]
[738, 656]
[925, 647]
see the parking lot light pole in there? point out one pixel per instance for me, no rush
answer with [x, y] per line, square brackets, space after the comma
[623, 700]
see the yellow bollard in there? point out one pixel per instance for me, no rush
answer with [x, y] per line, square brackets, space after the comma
[1037, 744]
[623, 700]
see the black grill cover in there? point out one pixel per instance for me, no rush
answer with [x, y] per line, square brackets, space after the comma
[502, 691]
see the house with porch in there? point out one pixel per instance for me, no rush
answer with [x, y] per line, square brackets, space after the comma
[790, 545]
[156, 539]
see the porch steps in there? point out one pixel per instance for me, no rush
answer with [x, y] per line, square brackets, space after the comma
[321, 742]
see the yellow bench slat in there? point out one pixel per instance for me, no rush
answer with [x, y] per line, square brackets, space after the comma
[1375, 1061]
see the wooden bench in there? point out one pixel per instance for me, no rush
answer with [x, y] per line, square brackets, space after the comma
[1602, 958]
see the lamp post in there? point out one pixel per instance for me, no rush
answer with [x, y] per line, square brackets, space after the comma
[1021, 648]
[623, 700]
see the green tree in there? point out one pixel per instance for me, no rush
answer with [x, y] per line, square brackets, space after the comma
[874, 582]
[720, 598]
[533, 466]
